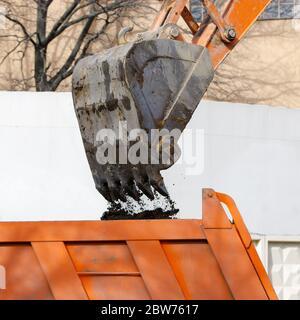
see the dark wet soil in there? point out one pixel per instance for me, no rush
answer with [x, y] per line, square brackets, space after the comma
[148, 214]
[117, 211]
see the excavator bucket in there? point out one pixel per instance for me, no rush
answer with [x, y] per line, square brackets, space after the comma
[151, 85]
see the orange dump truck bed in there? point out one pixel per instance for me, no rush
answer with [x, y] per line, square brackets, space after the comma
[211, 258]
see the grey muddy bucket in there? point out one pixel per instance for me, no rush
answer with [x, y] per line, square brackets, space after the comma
[154, 84]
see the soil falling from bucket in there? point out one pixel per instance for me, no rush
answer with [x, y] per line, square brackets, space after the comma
[160, 208]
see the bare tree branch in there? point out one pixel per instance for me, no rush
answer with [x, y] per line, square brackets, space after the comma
[55, 81]
[61, 20]
[20, 24]
[59, 34]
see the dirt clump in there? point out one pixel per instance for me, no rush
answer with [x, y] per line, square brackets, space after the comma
[160, 208]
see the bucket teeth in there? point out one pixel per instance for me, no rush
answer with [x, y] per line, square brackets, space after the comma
[146, 189]
[104, 190]
[134, 183]
[132, 191]
[143, 182]
[161, 188]
[159, 185]
[121, 193]
[114, 190]
[157, 181]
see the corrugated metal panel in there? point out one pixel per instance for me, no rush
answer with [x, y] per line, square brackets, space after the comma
[280, 255]
[284, 269]
[168, 259]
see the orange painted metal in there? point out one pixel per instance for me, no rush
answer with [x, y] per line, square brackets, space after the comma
[155, 269]
[211, 209]
[115, 287]
[238, 220]
[261, 272]
[169, 12]
[239, 14]
[25, 278]
[242, 230]
[212, 258]
[227, 245]
[59, 270]
[197, 271]
[102, 258]
[217, 18]
[189, 20]
[109, 230]
[239, 272]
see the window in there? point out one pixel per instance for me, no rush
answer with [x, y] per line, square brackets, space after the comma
[282, 9]
[197, 10]
[277, 9]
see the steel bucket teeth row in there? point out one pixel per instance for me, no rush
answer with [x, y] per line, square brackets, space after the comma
[119, 183]
[154, 84]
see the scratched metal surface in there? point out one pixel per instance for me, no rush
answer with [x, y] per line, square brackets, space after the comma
[154, 84]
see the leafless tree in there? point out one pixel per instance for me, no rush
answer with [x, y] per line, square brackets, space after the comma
[35, 27]
[263, 68]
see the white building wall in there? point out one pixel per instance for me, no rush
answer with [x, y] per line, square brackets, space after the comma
[253, 154]
[44, 174]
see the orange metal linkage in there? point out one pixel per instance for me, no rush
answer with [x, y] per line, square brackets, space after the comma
[229, 21]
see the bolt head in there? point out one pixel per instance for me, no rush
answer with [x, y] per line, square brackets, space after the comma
[230, 34]
[174, 32]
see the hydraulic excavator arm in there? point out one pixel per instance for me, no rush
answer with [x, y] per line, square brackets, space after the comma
[226, 23]
[153, 83]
